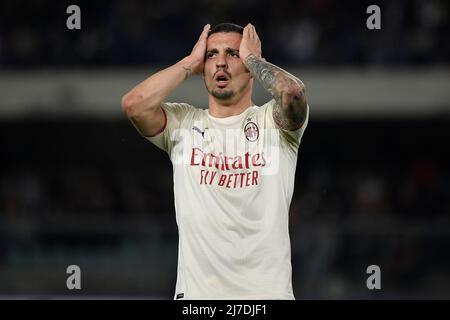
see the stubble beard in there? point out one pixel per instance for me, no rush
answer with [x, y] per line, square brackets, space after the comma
[226, 94]
[222, 94]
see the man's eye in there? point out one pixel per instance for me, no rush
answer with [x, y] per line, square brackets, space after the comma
[234, 54]
[210, 55]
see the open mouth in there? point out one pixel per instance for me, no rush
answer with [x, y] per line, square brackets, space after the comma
[222, 79]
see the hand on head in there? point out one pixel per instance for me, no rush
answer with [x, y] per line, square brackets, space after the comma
[198, 52]
[250, 43]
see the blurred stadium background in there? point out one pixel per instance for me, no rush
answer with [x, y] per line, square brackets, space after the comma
[78, 185]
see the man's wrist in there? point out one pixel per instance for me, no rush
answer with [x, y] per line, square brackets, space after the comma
[252, 57]
[247, 57]
[187, 71]
[249, 61]
[187, 65]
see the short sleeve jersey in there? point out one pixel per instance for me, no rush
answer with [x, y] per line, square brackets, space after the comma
[233, 185]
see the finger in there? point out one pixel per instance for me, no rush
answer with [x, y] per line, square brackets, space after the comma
[245, 33]
[252, 32]
[256, 35]
[205, 31]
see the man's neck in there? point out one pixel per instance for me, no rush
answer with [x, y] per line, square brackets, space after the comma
[223, 110]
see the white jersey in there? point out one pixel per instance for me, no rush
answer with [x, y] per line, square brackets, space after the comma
[233, 185]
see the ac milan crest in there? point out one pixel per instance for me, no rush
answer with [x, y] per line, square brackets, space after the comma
[251, 131]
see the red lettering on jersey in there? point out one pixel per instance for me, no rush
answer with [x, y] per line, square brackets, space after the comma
[222, 179]
[226, 163]
[193, 157]
[247, 166]
[263, 159]
[255, 159]
[255, 178]
[242, 179]
[236, 175]
[229, 181]
[226, 160]
[247, 179]
[213, 160]
[237, 163]
[201, 176]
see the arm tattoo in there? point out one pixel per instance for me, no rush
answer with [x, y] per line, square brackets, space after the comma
[265, 73]
[188, 72]
[289, 111]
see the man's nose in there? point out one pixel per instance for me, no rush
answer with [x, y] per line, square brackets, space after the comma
[221, 62]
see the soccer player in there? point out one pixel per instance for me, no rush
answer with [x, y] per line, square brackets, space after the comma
[233, 165]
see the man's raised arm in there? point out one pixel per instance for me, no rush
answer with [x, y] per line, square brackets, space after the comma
[142, 104]
[290, 109]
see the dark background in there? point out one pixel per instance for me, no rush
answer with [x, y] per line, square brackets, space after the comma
[84, 189]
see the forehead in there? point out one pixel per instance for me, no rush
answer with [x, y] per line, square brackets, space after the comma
[224, 40]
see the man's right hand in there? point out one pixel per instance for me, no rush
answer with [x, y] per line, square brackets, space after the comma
[197, 56]
[142, 104]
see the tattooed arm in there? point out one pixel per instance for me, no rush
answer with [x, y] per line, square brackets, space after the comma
[289, 111]
[290, 107]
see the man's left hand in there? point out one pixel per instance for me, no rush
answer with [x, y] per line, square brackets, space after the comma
[250, 43]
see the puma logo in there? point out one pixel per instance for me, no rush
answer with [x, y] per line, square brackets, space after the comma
[200, 131]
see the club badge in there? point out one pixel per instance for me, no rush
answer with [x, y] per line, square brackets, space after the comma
[251, 131]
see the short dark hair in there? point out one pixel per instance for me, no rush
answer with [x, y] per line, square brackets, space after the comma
[226, 27]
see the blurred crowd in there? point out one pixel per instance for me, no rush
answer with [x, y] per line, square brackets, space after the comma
[366, 191]
[309, 32]
[118, 172]
[98, 193]
[417, 190]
